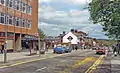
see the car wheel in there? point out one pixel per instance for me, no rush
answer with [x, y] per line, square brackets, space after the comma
[54, 52]
[96, 52]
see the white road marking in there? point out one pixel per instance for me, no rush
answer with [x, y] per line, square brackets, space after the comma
[41, 69]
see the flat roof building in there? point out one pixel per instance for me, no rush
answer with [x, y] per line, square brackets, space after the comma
[20, 19]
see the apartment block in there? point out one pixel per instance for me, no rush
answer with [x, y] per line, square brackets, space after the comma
[19, 18]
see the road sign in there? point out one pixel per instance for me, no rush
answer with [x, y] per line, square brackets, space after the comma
[36, 34]
[70, 38]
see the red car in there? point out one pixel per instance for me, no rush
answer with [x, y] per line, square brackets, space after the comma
[101, 50]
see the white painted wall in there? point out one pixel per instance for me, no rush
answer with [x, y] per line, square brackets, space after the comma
[73, 41]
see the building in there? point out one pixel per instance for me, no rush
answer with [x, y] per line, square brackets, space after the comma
[20, 19]
[70, 37]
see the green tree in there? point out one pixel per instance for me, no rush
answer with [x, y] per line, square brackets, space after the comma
[42, 34]
[106, 13]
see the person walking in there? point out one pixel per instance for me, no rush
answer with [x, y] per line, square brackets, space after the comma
[2, 47]
[114, 50]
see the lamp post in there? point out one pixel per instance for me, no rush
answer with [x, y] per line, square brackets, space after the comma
[6, 30]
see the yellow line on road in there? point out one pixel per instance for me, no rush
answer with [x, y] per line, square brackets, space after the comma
[19, 63]
[95, 64]
[77, 64]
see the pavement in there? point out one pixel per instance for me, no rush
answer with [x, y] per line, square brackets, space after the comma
[22, 56]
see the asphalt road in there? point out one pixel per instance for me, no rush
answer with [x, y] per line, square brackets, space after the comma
[110, 64]
[75, 62]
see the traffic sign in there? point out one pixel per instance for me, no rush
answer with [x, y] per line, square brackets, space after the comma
[36, 34]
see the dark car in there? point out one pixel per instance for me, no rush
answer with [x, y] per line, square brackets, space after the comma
[68, 49]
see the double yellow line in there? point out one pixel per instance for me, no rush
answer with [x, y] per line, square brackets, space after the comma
[95, 64]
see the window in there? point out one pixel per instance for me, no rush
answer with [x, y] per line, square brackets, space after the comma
[15, 4]
[14, 21]
[2, 18]
[2, 2]
[7, 2]
[29, 9]
[28, 24]
[18, 5]
[24, 7]
[10, 19]
[17, 21]
[23, 23]
[11, 3]
[21, 4]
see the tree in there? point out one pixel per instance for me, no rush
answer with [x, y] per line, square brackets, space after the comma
[42, 34]
[106, 13]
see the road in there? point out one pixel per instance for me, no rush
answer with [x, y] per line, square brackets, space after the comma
[75, 62]
[110, 64]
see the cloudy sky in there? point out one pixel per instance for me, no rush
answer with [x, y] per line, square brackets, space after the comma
[56, 16]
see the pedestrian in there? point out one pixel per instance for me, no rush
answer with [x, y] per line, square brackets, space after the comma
[76, 48]
[118, 48]
[2, 47]
[114, 50]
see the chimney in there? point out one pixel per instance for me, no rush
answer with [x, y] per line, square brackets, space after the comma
[76, 31]
[72, 30]
[63, 32]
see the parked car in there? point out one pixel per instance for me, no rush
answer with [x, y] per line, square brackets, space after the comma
[68, 49]
[101, 50]
[59, 49]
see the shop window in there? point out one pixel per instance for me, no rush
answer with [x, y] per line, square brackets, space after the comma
[2, 34]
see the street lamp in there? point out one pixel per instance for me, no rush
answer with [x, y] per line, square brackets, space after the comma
[6, 30]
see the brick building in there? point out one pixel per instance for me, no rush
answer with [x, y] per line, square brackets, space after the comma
[20, 19]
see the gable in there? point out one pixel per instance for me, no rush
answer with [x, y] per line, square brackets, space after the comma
[70, 34]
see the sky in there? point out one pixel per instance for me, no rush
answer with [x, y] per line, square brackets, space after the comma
[56, 16]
